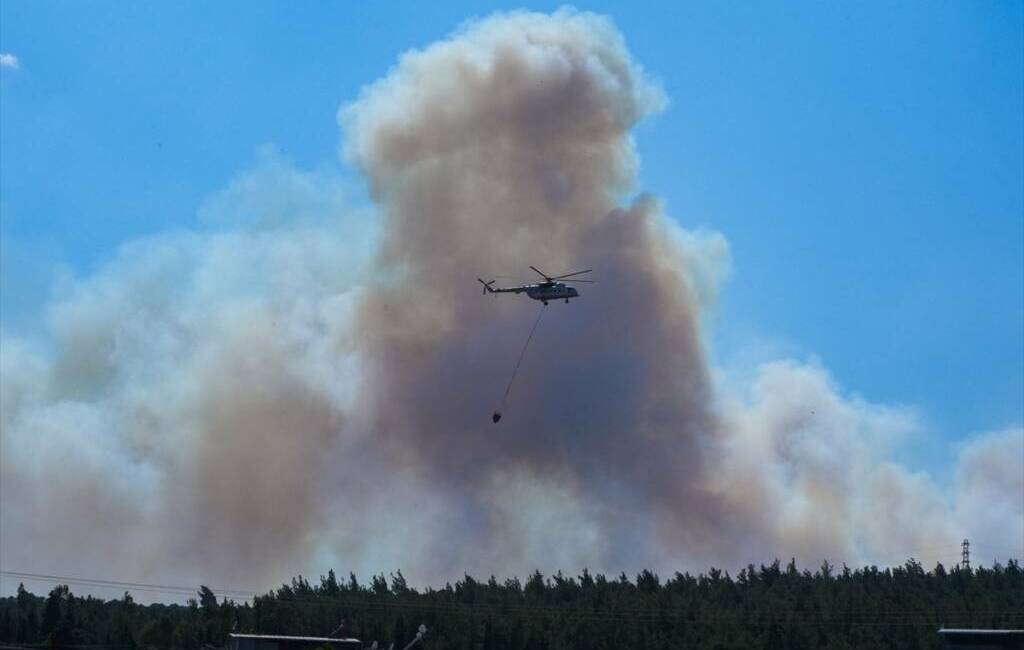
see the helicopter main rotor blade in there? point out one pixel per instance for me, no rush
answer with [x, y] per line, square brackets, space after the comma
[569, 275]
[542, 274]
[587, 281]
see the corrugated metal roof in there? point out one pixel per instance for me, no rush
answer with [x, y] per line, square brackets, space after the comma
[281, 637]
[949, 630]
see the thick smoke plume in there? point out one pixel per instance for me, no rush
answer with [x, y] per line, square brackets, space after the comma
[301, 385]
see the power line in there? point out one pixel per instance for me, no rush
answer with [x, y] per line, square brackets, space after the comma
[591, 612]
[121, 584]
[704, 614]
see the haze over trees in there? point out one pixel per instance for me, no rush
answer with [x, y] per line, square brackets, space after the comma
[767, 606]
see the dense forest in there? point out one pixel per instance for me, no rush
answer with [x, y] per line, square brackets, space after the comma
[771, 606]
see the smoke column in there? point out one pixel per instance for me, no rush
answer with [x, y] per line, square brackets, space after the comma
[298, 385]
[525, 168]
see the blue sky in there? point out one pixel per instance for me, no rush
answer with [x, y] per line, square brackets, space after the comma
[865, 161]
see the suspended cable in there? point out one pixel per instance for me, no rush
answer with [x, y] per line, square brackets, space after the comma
[515, 371]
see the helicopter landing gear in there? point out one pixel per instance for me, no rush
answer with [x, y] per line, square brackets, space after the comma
[545, 302]
[567, 301]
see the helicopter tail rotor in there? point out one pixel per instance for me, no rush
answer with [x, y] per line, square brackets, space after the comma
[487, 286]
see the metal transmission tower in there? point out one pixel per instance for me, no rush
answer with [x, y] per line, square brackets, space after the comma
[965, 564]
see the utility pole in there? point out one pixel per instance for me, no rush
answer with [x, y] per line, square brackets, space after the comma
[965, 564]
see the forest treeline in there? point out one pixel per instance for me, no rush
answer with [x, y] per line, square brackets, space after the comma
[770, 606]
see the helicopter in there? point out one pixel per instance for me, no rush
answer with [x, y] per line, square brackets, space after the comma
[552, 288]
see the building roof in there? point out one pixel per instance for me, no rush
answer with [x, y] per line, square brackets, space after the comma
[970, 631]
[282, 637]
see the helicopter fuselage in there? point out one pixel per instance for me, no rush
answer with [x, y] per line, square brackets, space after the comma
[543, 291]
[551, 289]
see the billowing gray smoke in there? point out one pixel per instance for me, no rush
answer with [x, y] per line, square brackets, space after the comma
[525, 167]
[263, 397]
